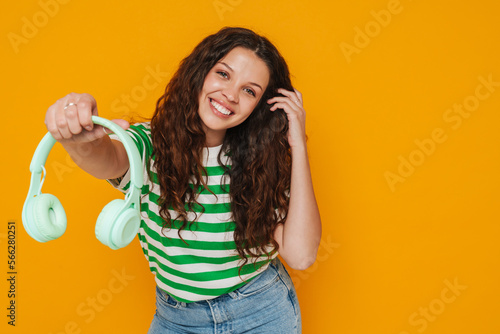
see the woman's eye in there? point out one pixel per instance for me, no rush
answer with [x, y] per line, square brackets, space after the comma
[249, 91]
[222, 74]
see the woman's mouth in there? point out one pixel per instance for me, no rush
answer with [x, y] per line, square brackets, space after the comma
[220, 110]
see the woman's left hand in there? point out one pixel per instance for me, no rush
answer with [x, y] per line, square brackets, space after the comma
[298, 241]
[292, 103]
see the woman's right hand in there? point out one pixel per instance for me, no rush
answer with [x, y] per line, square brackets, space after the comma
[73, 128]
[69, 120]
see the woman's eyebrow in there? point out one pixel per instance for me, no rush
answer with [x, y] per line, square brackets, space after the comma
[229, 67]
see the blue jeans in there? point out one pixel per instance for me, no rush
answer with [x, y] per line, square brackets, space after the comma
[267, 304]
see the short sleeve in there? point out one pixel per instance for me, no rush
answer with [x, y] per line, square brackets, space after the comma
[141, 135]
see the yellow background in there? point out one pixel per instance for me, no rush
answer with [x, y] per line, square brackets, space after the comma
[389, 252]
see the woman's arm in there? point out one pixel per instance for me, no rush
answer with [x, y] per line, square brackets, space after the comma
[300, 235]
[69, 120]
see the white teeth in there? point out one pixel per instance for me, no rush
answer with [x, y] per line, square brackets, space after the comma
[220, 108]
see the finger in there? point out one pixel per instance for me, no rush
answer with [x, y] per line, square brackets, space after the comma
[50, 122]
[288, 106]
[279, 99]
[299, 95]
[61, 121]
[99, 131]
[122, 123]
[282, 99]
[71, 115]
[291, 95]
[86, 108]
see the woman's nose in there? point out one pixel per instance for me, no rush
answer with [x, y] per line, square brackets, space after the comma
[231, 94]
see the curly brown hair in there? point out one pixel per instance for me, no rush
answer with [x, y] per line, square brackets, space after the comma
[259, 150]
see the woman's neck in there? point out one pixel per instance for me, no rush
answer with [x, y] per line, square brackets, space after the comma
[214, 137]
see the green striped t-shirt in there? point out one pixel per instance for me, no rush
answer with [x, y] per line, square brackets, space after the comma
[207, 266]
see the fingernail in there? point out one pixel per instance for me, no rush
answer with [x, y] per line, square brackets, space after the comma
[88, 128]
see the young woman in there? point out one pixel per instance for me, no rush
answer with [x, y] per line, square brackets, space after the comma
[227, 186]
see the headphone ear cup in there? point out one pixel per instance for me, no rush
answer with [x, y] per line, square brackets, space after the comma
[105, 221]
[46, 218]
[120, 231]
[125, 228]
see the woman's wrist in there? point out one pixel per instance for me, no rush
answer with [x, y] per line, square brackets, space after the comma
[299, 149]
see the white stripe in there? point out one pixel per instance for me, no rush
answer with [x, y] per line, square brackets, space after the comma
[212, 199]
[176, 251]
[181, 293]
[211, 160]
[213, 284]
[216, 284]
[213, 180]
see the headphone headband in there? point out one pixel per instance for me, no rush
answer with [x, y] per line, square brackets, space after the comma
[136, 173]
[132, 198]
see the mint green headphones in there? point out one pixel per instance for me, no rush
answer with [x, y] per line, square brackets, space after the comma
[43, 215]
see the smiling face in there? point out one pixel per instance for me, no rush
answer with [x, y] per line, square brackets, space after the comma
[231, 91]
